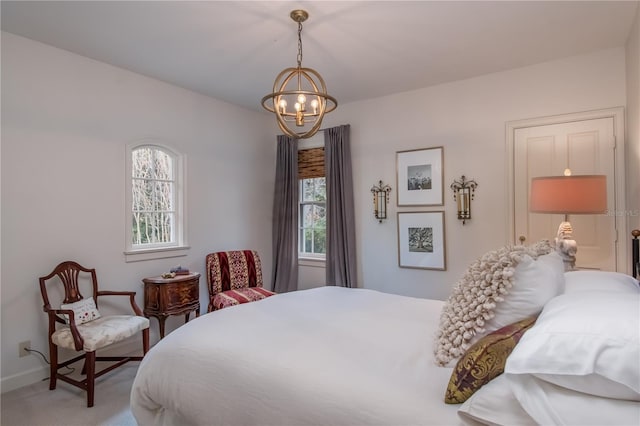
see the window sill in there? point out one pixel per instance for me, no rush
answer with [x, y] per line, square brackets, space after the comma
[156, 253]
[312, 262]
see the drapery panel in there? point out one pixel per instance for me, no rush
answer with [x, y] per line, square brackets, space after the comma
[285, 217]
[341, 236]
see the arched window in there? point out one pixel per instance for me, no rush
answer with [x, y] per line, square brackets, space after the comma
[155, 220]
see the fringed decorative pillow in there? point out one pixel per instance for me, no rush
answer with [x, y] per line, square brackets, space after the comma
[501, 287]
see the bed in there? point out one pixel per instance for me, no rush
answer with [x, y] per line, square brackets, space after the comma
[338, 356]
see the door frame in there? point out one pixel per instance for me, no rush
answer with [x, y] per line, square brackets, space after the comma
[623, 259]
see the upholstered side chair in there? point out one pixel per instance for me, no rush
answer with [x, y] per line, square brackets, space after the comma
[234, 277]
[78, 325]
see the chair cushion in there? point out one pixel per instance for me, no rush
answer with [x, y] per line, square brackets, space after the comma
[101, 332]
[242, 295]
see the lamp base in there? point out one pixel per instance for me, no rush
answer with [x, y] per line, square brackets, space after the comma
[566, 246]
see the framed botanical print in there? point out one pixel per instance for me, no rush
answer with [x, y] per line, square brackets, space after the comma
[420, 177]
[421, 240]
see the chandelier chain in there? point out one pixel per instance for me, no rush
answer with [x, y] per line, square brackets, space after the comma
[299, 44]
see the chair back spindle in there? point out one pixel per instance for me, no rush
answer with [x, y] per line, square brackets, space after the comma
[68, 273]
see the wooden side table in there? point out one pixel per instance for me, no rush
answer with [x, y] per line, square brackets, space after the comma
[171, 296]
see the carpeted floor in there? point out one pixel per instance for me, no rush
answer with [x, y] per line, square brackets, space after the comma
[36, 405]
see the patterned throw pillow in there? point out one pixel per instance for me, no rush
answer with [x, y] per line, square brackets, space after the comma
[484, 361]
[83, 310]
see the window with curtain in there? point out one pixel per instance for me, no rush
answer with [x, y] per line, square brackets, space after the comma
[312, 205]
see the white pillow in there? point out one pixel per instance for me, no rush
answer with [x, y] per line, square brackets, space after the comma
[585, 341]
[83, 310]
[600, 281]
[535, 282]
[549, 404]
[494, 404]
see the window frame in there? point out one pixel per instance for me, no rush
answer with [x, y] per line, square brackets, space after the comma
[178, 246]
[308, 259]
[301, 228]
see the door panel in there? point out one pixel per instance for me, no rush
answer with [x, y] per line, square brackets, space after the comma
[586, 147]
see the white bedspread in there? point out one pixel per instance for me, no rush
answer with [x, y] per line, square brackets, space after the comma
[326, 356]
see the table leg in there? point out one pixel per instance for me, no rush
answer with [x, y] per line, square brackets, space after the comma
[161, 320]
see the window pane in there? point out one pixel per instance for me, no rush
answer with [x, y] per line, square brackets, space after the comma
[136, 226]
[306, 221]
[142, 228]
[319, 240]
[143, 195]
[307, 241]
[313, 190]
[164, 196]
[142, 191]
[165, 227]
[142, 162]
[163, 165]
[150, 228]
[319, 215]
[320, 190]
[308, 188]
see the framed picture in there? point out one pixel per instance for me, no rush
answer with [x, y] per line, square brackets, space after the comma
[419, 174]
[421, 240]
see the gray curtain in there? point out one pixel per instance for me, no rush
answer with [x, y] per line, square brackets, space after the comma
[341, 225]
[285, 217]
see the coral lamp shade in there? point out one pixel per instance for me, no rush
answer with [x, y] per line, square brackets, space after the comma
[586, 194]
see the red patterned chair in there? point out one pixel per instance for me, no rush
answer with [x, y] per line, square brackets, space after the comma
[234, 277]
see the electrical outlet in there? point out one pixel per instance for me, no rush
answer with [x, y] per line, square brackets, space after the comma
[22, 348]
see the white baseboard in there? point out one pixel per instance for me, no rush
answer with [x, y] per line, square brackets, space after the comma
[38, 374]
[26, 378]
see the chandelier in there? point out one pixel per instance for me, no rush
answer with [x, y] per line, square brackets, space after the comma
[303, 88]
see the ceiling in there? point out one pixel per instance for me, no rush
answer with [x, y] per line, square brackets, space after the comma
[233, 50]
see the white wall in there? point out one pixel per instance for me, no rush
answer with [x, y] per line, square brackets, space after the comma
[467, 118]
[633, 124]
[65, 122]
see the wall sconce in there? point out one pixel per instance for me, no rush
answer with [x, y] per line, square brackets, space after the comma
[463, 191]
[380, 200]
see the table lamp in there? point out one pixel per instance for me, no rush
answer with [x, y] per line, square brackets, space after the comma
[584, 194]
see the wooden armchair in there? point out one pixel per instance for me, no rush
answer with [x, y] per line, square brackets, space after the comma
[234, 277]
[84, 329]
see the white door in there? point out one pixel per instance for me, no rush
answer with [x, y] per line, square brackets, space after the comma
[586, 147]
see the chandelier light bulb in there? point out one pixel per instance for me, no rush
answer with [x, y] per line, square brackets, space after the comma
[314, 105]
[302, 99]
[283, 105]
[298, 106]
